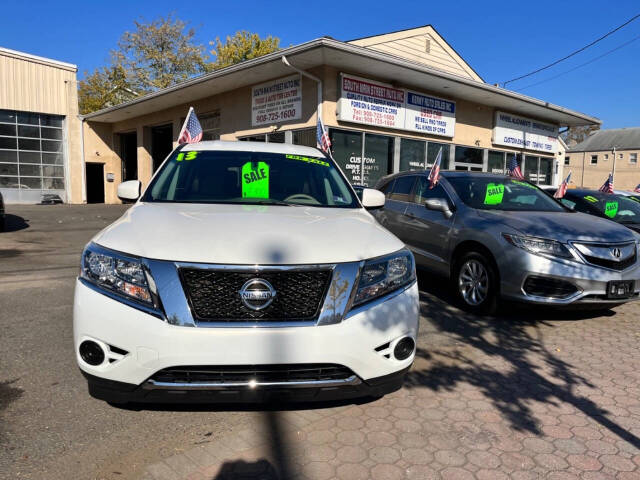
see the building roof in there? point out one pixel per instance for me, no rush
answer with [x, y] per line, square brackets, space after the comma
[606, 140]
[34, 58]
[348, 58]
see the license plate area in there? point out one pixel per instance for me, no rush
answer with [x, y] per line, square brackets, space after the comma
[620, 289]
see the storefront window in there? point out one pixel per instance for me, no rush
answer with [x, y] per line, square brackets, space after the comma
[545, 176]
[346, 147]
[531, 168]
[306, 137]
[496, 162]
[378, 156]
[412, 154]
[468, 155]
[210, 124]
[432, 152]
[253, 138]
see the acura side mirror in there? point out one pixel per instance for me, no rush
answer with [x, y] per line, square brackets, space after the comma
[129, 191]
[439, 205]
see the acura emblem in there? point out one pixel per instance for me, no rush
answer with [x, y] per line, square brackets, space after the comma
[616, 252]
[257, 294]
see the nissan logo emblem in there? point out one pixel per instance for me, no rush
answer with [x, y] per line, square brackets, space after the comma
[616, 252]
[257, 294]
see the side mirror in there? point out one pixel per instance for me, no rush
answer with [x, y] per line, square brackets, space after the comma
[129, 191]
[439, 205]
[372, 199]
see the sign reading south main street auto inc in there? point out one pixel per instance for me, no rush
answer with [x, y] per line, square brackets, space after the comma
[515, 131]
[276, 101]
[371, 103]
[427, 114]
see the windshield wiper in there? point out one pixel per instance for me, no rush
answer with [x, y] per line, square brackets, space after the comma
[271, 201]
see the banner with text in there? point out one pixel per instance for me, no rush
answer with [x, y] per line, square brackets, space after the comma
[276, 101]
[521, 132]
[371, 103]
[431, 115]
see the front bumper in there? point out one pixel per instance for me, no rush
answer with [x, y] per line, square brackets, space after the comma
[516, 265]
[151, 345]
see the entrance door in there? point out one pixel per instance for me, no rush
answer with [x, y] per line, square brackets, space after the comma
[95, 182]
[161, 144]
[129, 156]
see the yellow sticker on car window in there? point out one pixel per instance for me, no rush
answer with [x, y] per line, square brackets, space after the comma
[611, 209]
[302, 158]
[186, 156]
[494, 194]
[255, 180]
[590, 198]
[524, 184]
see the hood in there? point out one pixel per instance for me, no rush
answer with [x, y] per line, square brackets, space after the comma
[248, 234]
[562, 226]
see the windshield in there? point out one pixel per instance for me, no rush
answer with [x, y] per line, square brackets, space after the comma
[250, 178]
[502, 193]
[616, 207]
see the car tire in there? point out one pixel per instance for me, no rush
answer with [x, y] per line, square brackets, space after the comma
[475, 283]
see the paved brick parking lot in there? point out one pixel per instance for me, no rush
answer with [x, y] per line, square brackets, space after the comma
[531, 394]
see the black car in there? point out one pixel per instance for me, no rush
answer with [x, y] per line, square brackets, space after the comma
[619, 208]
[1, 213]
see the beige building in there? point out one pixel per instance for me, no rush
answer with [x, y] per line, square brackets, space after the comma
[40, 136]
[606, 151]
[390, 102]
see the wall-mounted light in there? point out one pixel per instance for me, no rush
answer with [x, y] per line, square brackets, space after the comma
[477, 143]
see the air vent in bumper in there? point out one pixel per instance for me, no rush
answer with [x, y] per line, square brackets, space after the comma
[548, 287]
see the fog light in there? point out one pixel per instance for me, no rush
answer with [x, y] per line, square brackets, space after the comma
[91, 353]
[404, 348]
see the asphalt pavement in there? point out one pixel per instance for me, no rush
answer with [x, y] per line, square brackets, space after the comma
[530, 394]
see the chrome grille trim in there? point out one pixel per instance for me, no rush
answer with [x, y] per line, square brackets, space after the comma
[601, 254]
[154, 385]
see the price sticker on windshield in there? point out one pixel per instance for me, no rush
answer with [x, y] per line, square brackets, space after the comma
[611, 209]
[255, 180]
[494, 194]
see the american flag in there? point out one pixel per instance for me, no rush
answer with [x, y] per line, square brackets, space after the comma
[514, 169]
[562, 190]
[434, 174]
[637, 189]
[191, 130]
[607, 187]
[322, 137]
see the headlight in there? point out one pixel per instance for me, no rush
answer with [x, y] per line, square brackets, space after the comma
[538, 246]
[116, 273]
[383, 275]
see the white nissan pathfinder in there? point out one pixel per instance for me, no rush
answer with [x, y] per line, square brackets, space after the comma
[245, 271]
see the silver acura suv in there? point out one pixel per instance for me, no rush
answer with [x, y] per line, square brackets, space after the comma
[495, 236]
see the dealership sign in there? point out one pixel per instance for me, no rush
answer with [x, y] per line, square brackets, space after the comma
[431, 115]
[382, 105]
[276, 101]
[371, 103]
[521, 132]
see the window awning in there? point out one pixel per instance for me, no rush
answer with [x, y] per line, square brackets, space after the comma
[349, 58]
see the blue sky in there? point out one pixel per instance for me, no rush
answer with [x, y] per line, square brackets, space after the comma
[500, 40]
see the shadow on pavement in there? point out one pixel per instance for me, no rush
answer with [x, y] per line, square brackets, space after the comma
[239, 469]
[514, 341]
[13, 223]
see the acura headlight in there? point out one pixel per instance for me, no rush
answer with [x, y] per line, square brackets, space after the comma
[117, 273]
[383, 275]
[539, 246]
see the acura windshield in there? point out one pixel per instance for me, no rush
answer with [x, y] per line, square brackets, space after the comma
[616, 207]
[250, 178]
[502, 193]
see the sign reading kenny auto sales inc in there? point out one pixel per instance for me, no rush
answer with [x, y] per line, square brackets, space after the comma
[515, 131]
[276, 101]
[382, 105]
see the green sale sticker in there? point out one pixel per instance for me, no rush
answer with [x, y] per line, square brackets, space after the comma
[494, 194]
[255, 180]
[611, 209]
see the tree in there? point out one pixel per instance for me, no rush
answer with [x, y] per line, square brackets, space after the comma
[242, 46]
[103, 88]
[155, 55]
[159, 54]
[575, 135]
